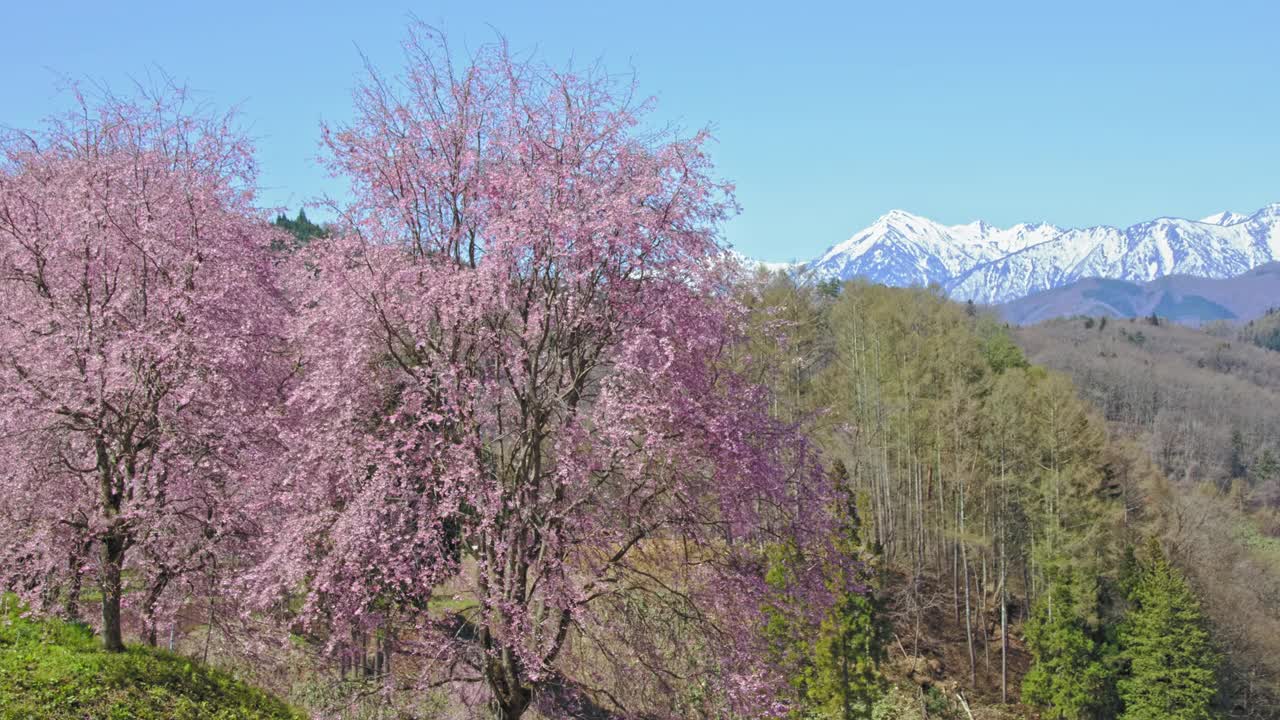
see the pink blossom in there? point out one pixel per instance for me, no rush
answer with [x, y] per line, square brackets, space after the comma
[518, 386]
[138, 318]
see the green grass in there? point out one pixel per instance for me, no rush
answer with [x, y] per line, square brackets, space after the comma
[1263, 547]
[51, 669]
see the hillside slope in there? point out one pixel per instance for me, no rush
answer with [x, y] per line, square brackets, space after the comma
[1180, 298]
[1203, 405]
[54, 670]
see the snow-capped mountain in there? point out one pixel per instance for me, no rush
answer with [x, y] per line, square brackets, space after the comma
[988, 264]
[1226, 217]
[767, 265]
[905, 249]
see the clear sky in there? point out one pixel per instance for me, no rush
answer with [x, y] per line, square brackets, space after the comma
[827, 115]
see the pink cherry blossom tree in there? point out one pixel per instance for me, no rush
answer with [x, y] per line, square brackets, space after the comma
[522, 450]
[139, 319]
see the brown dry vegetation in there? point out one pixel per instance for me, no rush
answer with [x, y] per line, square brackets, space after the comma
[1205, 404]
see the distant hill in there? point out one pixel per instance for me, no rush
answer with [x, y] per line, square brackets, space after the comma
[1182, 299]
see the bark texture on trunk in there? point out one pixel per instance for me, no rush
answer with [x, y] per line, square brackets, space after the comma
[112, 561]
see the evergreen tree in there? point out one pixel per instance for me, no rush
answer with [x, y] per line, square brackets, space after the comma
[784, 629]
[1238, 467]
[844, 679]
[830, 288]
[1069, 677]
[301, 228]
[835, 668]
[1266, 468]
[1171, 663]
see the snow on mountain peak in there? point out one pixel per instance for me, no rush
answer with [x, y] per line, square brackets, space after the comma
[1226, 217]
[899, 216]
[991, 264]
[1267, 211]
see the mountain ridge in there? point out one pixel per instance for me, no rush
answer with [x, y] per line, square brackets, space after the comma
[993, 265]
[1184, 299]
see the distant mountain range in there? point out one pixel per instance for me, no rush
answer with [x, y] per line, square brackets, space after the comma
[992, 265]
[1184, 299]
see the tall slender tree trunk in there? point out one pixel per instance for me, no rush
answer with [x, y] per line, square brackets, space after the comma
[955, 579]
[1004, 630]
[1004, 580]
[968, 618]
[983, 587]
[955, 554]
[941, 545]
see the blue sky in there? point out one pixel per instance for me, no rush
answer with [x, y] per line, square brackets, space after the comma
[826, 114]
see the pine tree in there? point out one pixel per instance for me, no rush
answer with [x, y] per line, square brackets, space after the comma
[834, 668]
[1069, 676]
[1171, 663]
[302, 229]
[844, 679]
[1237, 462]
[1266, 468]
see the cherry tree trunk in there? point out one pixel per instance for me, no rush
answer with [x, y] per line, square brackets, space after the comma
[149, 608]
[112, 561]
[512, 712]
[512, 705]
[71, 603]
[511, 697]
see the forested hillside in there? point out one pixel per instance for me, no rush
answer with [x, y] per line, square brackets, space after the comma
[1265, 331]
[1203, 404]
[1012, 531]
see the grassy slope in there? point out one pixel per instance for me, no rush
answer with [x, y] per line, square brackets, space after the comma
[56, 670]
